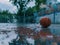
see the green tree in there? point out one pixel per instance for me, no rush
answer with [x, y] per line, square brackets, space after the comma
[38, 2]
[21, 5]
[5, 16]
[29, 15]
[29, 12]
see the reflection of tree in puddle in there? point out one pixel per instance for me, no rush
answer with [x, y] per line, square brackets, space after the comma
[48, 37]
[25, 31]
[45, 32]
[42, 37]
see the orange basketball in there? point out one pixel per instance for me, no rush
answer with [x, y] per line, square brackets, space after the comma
[45, 22]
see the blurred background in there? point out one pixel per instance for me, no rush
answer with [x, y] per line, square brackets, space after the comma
[29, 11]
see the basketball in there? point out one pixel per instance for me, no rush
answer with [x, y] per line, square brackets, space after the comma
[45, 22]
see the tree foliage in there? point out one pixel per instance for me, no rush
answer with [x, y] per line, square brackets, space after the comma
[38, 2]
[21, 5]
[22, 8]
[5, 16]
[29, 11]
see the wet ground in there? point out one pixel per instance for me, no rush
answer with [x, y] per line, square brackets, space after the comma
[7, 37]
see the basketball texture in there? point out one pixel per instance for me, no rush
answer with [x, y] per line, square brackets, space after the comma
[45, 22]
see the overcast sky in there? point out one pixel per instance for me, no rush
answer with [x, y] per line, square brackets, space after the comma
[5, 4]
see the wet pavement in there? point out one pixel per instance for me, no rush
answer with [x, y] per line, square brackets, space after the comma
[52, 33]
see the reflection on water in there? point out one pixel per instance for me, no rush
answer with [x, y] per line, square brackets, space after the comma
[55, 29]
[41, 36]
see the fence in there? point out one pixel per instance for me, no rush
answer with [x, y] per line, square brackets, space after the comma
[51, 16]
